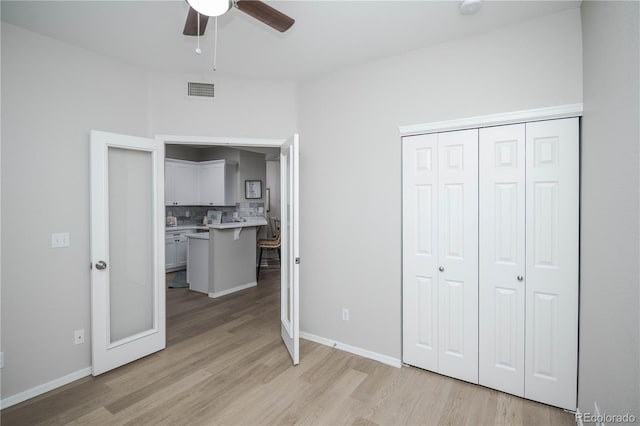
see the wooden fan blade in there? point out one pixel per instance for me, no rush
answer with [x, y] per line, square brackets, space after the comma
[265, 13]
[191, 25]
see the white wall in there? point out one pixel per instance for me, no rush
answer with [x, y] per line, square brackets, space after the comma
[610, 232]
[273, 182]
[252, 166]
[52, 96]
[241, 108]
[351, 159]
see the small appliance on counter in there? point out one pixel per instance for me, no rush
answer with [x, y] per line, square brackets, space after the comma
[171, 221]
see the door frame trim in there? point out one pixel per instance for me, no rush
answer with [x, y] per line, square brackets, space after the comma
[500, 119]
[213, 141]
[219, 140]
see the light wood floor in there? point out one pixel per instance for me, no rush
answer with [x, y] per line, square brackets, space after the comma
[225, 364]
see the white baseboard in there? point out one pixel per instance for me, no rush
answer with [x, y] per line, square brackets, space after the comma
[39, 390]
[394, 362]
[233, 289]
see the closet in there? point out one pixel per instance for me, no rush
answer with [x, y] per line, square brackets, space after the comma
[490, 257]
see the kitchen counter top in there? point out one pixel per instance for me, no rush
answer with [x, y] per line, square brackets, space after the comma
[184, 228]
[198, 235]
[231, 225]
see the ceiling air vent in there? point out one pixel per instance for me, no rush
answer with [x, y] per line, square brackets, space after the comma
[201, 90]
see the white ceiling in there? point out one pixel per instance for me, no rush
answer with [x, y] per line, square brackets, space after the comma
[327, 35]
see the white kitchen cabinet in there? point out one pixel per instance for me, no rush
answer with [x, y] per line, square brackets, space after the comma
[527, 247]
[181, 183]
[217, 183]
[440, 240]
[175, 246]
[198, 262]
[169, 253]
[207, 183]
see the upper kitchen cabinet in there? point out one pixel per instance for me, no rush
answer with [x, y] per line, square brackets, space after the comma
[181, 183]
[207, 183]
[218, 182]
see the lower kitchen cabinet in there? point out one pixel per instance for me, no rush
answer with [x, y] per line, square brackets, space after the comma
[175, 251]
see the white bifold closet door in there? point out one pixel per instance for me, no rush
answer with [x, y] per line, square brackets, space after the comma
[440, 253]
[552, 247]
[502, 258]
[528, 316]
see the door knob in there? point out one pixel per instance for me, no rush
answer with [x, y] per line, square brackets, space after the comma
[101, 265]
[441, 269]
[520, 278]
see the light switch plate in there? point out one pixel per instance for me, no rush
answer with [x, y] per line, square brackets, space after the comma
[60, 239]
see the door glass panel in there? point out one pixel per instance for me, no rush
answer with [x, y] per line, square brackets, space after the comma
[284, 270]
[289, 235]
[131, 286]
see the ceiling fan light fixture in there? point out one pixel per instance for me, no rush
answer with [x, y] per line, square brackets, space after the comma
[210, 7]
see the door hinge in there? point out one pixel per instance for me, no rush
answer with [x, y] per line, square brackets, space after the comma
[90, 265]
[297, 260]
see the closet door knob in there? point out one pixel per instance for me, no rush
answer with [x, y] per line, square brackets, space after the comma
[441, 269]
[520, 278]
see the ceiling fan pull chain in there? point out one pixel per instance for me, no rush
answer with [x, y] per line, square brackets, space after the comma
[198, 50]
[215, 42]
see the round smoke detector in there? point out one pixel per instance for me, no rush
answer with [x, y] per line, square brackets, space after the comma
[469, 7]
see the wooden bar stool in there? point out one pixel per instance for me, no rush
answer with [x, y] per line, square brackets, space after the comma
[269, 244]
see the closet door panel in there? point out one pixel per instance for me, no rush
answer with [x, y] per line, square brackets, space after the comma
[502, 258]
[420, 242]
[552, 262]
[458, 254]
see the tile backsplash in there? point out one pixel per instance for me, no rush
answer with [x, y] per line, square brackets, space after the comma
[197, 213]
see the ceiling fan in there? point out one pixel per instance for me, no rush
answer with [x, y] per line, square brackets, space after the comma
[255, 8]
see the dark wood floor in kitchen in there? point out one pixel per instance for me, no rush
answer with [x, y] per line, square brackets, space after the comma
[225, 364]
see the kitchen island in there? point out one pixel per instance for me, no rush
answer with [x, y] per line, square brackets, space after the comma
[232, 256]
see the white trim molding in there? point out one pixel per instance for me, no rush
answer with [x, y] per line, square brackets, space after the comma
[44, 388]
[394, 362]
[217, 140]
[233, 289]
[538, 114]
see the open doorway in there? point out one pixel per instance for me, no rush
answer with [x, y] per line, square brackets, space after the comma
[267, 234]
[128, 235]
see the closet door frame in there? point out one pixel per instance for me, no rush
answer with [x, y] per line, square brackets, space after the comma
[500, 119]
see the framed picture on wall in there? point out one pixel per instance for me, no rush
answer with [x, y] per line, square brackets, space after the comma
[252, 189]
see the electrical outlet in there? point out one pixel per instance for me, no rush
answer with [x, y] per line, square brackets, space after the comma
[345, 314]
[187, 214]
[1, 359]
[61, 239]
[78, 336]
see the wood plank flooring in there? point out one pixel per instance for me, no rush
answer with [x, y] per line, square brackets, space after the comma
[225, 364]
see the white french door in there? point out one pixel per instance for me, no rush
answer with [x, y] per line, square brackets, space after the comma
[127, 274]
[440, 253]
[289, 270]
